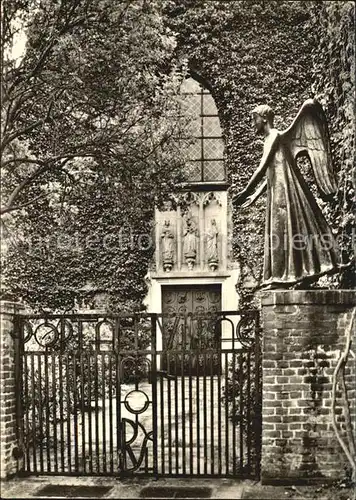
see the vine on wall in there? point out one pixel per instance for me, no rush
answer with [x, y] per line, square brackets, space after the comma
[334, 85]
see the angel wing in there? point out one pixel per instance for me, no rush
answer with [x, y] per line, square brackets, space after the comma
[309, 134]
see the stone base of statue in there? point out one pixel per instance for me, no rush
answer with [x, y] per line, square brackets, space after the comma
[190, 259]
[167, 265]
[304, 334]
[213, 264]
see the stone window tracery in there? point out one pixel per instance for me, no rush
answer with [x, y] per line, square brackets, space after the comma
[206, 153]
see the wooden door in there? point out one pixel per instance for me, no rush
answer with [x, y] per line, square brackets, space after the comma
[190, 331]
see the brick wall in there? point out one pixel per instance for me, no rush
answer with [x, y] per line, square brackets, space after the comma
[303, 333]
[8, 422]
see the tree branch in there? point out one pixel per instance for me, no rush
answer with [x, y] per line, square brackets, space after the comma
[7, 162]
[10, 204]
[23, 205]
[45, 166]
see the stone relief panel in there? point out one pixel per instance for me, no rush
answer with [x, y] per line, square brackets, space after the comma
[192, 237]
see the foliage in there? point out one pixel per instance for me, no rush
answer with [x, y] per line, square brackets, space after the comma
[88, 149]
[241, 391]
[334, 84]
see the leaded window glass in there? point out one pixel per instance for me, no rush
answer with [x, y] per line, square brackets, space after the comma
[207, 150]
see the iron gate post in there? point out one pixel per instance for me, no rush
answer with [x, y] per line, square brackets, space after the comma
[154, 390]
[258, 386]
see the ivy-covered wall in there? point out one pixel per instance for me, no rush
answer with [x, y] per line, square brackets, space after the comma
[250, 53]
[334, 85]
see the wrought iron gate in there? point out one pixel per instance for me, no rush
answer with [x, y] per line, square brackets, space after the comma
[123, 395]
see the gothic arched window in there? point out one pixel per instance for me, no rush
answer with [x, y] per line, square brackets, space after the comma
[207, 150]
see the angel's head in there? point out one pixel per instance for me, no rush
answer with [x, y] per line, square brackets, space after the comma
[263, 116]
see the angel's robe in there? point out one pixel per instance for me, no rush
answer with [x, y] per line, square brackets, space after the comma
[298, 240]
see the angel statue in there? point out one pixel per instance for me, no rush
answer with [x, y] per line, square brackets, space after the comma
[299, 244]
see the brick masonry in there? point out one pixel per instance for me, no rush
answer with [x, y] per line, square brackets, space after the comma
[8, 421]
[303, 334]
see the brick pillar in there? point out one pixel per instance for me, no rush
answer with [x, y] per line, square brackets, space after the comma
[8, 391]
[303, 334]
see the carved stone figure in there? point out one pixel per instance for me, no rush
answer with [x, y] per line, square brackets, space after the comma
[167, 246]
[190, 243]
[299, 244]
[212, 246]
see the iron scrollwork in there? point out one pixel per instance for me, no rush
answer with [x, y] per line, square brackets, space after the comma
[127, 445]
[245, 331]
